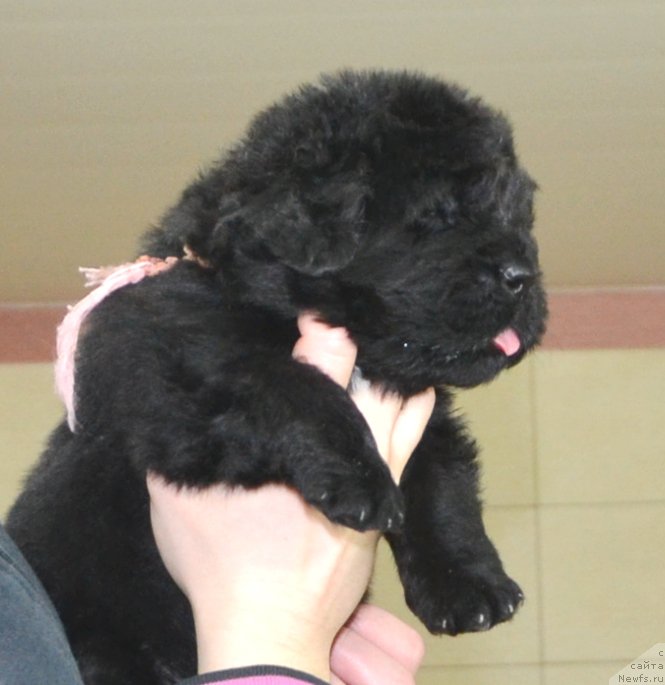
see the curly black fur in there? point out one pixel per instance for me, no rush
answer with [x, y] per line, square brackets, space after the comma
[392, 204]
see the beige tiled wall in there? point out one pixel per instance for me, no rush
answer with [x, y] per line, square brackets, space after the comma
[573, 447]
[29, 409]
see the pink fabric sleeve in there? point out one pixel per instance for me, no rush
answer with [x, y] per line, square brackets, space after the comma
[260, 680]
[255, 675]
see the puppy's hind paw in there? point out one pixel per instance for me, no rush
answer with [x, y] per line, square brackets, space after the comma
[466, 603]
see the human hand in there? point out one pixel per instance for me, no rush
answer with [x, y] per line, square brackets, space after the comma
[396, 424]
[281, 597]
[374, 647]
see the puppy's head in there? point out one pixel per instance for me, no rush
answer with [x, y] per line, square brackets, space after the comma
[394, 205]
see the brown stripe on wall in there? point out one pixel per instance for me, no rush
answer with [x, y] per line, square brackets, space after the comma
[606, 319]
[27, 333]
[579, 319]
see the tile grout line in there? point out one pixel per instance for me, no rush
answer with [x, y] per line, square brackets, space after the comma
[544, 506]
[538, 552]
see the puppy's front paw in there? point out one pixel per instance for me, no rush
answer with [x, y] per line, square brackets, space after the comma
[361, 498]
[464, 601]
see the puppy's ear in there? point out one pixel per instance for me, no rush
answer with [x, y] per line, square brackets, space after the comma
[190, 222]
[313, 228]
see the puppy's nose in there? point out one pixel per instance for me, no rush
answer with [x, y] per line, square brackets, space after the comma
[515, 276]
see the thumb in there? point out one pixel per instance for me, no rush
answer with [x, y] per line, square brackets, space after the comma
[329, 349]
[408, 429]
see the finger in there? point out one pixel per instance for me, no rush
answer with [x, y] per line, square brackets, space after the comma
[380, 410]
[158, 488]
[408, 430]
[390, 634]
[356, 660]
[329, 349]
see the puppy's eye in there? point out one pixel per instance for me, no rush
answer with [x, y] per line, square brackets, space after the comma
[304, 156]
[309, 156]
[440, 217]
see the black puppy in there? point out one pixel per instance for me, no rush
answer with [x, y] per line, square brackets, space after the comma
[393, 205]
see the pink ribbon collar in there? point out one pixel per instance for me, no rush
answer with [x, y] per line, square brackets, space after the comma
[105, 280]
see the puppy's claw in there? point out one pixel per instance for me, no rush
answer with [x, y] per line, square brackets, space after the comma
[482, 622]
[395, 523]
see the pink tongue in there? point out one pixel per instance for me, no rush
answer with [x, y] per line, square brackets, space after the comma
[508, 342]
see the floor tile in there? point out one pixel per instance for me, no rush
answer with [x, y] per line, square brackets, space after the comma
[513, 532]
[600, 425]
[603, 581]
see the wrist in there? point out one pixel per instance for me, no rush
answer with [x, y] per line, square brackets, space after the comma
[229, 639]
